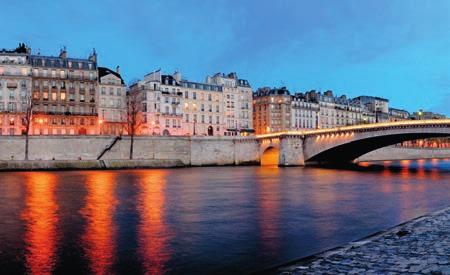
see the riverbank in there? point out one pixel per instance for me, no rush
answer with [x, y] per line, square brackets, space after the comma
[417, 246]
[52, 165]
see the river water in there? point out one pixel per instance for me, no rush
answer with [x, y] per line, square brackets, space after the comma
[204, 220]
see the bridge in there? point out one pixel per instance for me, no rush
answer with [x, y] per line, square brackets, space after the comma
[345, 144]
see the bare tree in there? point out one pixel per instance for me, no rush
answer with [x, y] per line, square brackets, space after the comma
[27, 120]
[133, 119]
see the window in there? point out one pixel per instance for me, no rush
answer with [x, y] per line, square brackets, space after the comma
[63, 95]
[111, 91]
[119, 92]
[54, 96]
[103, 91]
[186, 94]
[194, 95]
[82, 98]
[187, 117]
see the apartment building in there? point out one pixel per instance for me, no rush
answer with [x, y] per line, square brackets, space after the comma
[112, 102]
[237, 97]
[171, 105]
[304, 113]
[15, 89]
[271, 110]
[64, 95]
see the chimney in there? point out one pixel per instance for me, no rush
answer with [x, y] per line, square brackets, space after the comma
[63, 53]
[177, 76]
[118, 69]
[93, 56]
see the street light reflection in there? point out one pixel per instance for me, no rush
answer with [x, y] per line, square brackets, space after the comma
[41, 219]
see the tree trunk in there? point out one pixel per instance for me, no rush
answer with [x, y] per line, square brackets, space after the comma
[26, 146]
[131, 146]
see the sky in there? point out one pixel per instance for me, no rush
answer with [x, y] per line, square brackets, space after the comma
[398, 49]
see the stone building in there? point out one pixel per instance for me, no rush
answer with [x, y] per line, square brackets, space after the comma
[112, 102]
[237, 96]
[160, 104]
[421, 114]
[304, 113]
[398, 114]
[171, 105]
[65, 95]
[271, 110]
[15, 89]
[374, 105]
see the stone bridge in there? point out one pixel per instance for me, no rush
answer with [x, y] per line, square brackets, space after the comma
[345, 144]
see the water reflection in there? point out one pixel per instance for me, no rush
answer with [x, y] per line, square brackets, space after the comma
[268, 198]
[203, 220]
[100, 228]
[153, 233]
[41, 219]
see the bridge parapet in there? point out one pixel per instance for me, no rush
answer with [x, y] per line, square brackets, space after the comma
[349, 142]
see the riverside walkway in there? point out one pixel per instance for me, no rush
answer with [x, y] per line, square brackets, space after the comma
[418, 246]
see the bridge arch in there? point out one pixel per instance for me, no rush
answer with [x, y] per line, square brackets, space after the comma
[270, 156]
[342, 146]
[269, 151]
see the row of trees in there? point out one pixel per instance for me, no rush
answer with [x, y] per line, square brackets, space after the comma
[132, 125]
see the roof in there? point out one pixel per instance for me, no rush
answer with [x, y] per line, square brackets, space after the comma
[102, 71]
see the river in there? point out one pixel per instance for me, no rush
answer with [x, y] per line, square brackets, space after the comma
[204, 220]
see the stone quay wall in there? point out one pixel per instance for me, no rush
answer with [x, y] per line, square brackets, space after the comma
[402, 153]
[78, 152]
[82, 152]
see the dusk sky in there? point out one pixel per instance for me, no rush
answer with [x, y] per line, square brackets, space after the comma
[394, 49]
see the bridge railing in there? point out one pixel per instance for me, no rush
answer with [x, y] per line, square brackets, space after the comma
[363, 127]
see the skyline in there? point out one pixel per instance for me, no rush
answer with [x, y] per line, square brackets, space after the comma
[392, 50]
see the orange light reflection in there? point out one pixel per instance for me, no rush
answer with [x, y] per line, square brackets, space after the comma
[152, 230]
[100, 228]
[41, 219]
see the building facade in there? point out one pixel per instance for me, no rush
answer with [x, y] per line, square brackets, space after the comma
[15, 89]
[421, 114]
[374, 105]
[65, 93]
[271, 110]
[237, 103]
[304, 113]
[171, 105]
[398, 114]
[112, 102]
